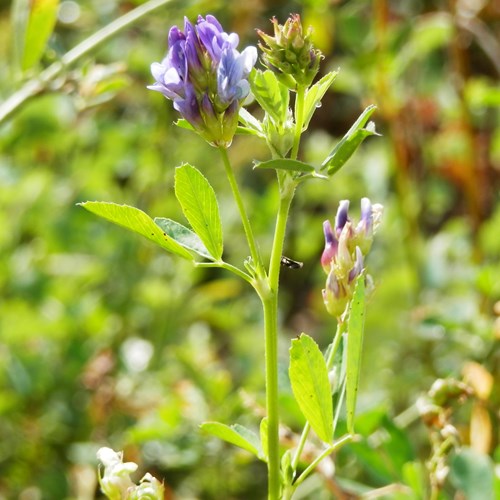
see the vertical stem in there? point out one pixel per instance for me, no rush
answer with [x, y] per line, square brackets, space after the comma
[254, 251]
[270, 305]
[269, 299]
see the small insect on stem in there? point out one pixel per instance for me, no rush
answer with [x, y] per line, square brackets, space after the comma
[292, 264]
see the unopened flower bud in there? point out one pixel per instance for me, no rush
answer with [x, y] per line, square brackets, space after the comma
[345, 249]
[290, 53]
[331, 247]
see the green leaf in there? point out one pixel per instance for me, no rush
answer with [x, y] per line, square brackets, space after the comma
[350, 142]
[250, 123]
[235, 434]
[183, 123]
[271, 94]
[183, 236]
[199, 204]
[42, 19]
[136, 220]
[315, 94]
[473, 474]
[285, 164]
[355, 329]
[20, 11]
[310, 385]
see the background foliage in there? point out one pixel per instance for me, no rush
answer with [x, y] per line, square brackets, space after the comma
[107, 341]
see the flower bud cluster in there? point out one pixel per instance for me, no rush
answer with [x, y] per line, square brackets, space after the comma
[206, 77]
[290, 53]
[116, 483]
[346, 246]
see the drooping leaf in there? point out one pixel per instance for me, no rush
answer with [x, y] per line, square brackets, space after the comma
[315, 94]
[183, 236]
[138, 221]
[199, 204]
[235, 434]
[345, 148]
[271, 94]
[355, 329]
[42, 19]
[285, 164]
[310, 385]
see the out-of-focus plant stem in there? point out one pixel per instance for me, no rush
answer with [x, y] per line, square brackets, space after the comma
[407, 198]
[40, 83]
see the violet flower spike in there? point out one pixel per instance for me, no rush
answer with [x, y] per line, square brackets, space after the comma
[202, 64]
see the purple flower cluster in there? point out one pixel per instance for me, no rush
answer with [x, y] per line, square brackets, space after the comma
[346, 246]
[206, 77]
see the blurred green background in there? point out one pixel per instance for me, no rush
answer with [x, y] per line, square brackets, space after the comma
[105, 340]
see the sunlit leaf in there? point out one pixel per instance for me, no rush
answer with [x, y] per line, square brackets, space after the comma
[199, 204]
[350, 142]
[42, 19]
[315, 94]
[235, 434]
[310, 385]
[355, 329]
[138, 221]
[271, 94]
[183, 236]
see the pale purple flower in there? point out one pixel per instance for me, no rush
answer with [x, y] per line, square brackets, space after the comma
[205, 77]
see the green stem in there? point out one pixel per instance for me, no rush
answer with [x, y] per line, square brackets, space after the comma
[254, 251]
[41, 82]
[270, 305]
[299, 119]
[334, 447]
[269, 299]
[228, 267]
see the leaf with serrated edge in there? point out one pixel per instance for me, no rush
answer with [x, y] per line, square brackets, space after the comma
[285, 164]
[199, 204]
[138, 221]
[345, 148]
[355, 329]
[315, 94]
[235, 434]
[182, 235]
[310, 385]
